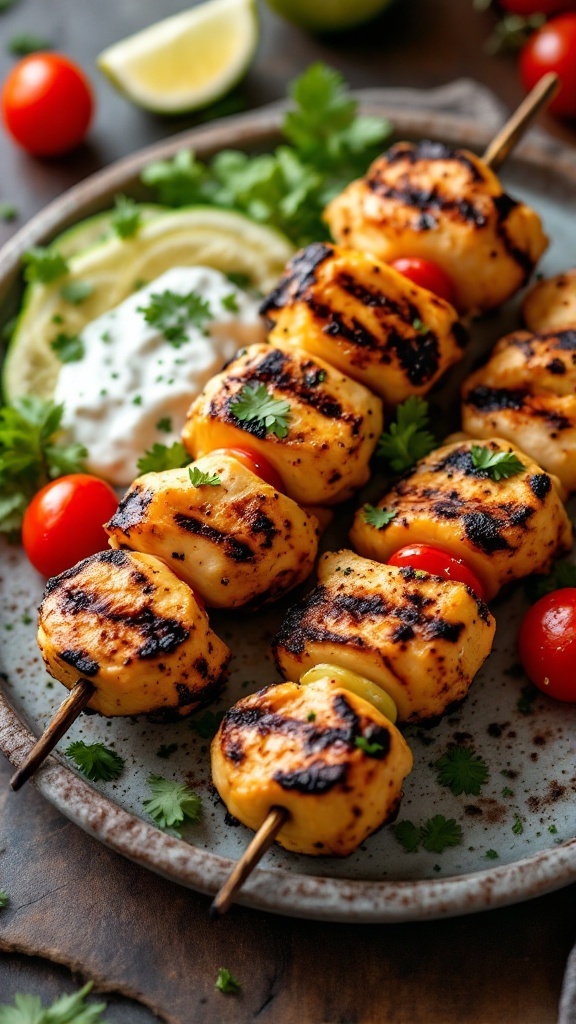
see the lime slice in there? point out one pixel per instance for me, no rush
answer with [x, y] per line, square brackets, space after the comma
[189, 236]
[95, 229]
[328, 15]
[187, 61]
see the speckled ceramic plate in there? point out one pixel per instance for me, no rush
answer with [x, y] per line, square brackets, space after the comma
[517, 835]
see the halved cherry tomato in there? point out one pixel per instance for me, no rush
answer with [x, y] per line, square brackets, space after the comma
[257, 464]
[47, 104]
[439, 563]
[553, 48]
[64, 522]
[427, 275]
[547, 644]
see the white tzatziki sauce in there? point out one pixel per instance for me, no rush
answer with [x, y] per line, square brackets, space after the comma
[131, 378]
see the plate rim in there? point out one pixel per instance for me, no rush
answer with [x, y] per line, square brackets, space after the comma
[273, 890]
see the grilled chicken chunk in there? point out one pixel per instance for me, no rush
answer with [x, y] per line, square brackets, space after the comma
[366, 319]
[447, 206]
[237, 543]
[526, 392]
[551, 305]
[331, 427]
[296, 747]
[125, 622]
[421, 638]
[502, 529]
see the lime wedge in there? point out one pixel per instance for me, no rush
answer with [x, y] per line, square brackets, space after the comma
[115, 267]
[187, 61]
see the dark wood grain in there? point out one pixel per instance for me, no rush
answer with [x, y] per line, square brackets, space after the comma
[74, 902]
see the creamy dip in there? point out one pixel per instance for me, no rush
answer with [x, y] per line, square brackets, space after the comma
[132, 387]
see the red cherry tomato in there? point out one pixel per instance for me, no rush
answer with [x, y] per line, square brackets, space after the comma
[527, 7]
[63, 522]
[553, 48]
[47, 104]
[547, 644]
[427, 275]
[257, 464]
[437, 562]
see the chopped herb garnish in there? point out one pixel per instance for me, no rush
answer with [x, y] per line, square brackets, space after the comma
[491, 855]
[419, 327]
[175, 314]
[408, 439]
[507, 791]
[76, 292]
[28, 1009]
[372, 749]
[44, 264]
[126, 217]
[227, 983]
[166, 750]
[207, 726]
[311, 716]
[254, 403]
[378, 517]
[517, 827]
[137, 400]
[159, 457]
[497, 465]
[200, 479]
[8, 212]
[25, 43]
[4, 898]
[230, 302]
[525, 702]
[96, 761]
[68, 347]
[165, 425]
[171, 803]
[462, 771]
[552, 830]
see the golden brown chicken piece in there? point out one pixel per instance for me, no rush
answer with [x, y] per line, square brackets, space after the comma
[236, 541]
[330, 423]
[551, 305]
[366, 319]
[420, 638]
[129, 625]
[297, 747]
[503, 529]
[444, 205]
[526, 393]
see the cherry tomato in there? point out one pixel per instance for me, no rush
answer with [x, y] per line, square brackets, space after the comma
[547, 644]
[427, 275]
[47, 104]
[439, 563]
[257, 464]
[527, 7]
[63, 522]
[553, 48]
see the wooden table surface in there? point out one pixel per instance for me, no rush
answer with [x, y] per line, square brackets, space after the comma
[73, 902]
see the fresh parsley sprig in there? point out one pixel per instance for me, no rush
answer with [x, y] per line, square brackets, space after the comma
[200, 479]
[96, 761]
[254, 403]
[378, 517]
[31, 454]
[435, 835]
[462, 771]
[171, 803]
[175, 314]
[160, 457]
[408, 439]
[497, 465]
[28, 1009]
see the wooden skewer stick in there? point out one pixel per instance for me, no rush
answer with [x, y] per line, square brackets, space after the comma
[262, 841]
[68, 711]
[509, 135]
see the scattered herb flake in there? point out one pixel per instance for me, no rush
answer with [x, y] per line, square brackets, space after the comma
[254, 403]
[4, 898]
[462, 771]
[439, 833]
[230, 302]
[8, 212]
[491, 855]
[164, 425]
[137, 400]
[227, 983]
[96, 761]
[408, 439]
[407, 835]
[311, 716]
[44, 264]
[378, 517]
[200, 479]
[171, 803]
[419, 327]
[372, 749]
[497, 465]
[175, 314]
[76, 292]
[159, 457]
[68, 347]
[507, 791]
[517, 827]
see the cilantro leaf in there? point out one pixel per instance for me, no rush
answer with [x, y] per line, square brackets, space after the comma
[96, 761]
[126, 217]
[44, 264]
[491, 855]
[76, 292]
[439, 832]
[31, 454]
[207, 726]
[174, 314]
[372, 749]
[4, 898]
[378, 517]
[178, 182]
[171, 803]
[28, 1009]
[159, 457]
[408, 439]
[461, 770]
[227, 983]
[407, 835]
[8, 211]
[25, 43]
[68, 347]
[254, 403]
[230, 302]
[517, 827]
[497, 465]
[563, 574]
[200, 479]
